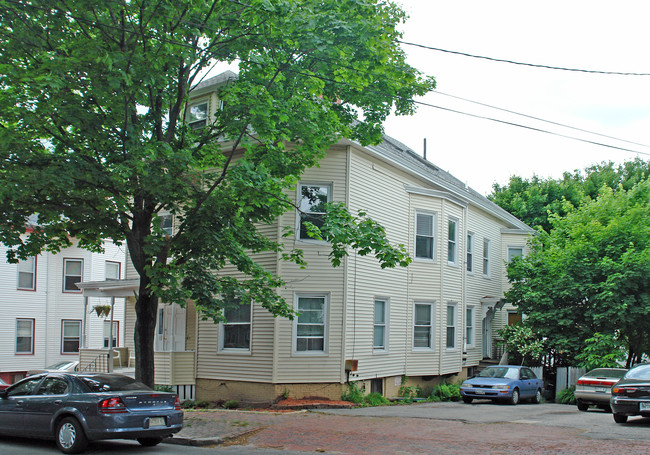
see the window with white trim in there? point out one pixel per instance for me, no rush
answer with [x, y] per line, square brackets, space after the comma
[380, 328]
[424, 235]
[469, 326]
[112, 270]
[423, 325]
[27, 274]
[451, 325]
[310, 323]
[167, 223]
[198, 115]
[236, 331]
[70, 336]
[514, 252]
[470, 253]
[107, 333]
[486, 257]
[313, 198]
[72, 273]
[24, 336]
[452, 242]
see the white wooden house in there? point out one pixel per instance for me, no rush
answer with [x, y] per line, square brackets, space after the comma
[45, 318]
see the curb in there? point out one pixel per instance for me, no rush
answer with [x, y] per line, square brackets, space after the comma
[196, 442]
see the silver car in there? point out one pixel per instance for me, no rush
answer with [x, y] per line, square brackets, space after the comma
[75, 408]
[593, 388]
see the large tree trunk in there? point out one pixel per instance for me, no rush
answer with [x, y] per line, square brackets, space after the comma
[145, 309]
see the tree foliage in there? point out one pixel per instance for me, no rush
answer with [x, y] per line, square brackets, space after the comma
[590, 274]
[93, 135]
[534, 200]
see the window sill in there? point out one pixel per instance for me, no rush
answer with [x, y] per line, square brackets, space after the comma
[235, 352]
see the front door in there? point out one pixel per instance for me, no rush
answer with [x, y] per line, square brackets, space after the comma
[170, 328]
[487, 339]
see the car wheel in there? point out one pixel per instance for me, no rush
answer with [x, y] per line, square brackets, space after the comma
[537, 399]
[619, 418]
[149, 442]
[70, 437]
[582, 406]
[467, 400]
[514, 399]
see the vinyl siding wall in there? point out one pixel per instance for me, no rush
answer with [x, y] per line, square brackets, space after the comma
[48, 305]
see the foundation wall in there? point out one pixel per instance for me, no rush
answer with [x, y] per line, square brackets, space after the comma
[216, 390]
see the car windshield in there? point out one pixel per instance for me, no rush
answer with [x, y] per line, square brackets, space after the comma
[59, 366]
[606, 373]
[499, 372]
[111, 383]
[640, 372]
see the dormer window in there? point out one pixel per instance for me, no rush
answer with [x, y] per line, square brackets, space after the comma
[198, 115]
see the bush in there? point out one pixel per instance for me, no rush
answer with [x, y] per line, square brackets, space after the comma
[567, 396]
[202, 404]
[163, 388]
[188, 404]
[376, 399]
[445, 392]
[231, 404]
[354, 394]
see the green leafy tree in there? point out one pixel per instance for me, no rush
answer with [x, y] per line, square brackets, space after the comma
[601, 351]
[93, 137]
[535, 200]
[590, 275]
[521, 341]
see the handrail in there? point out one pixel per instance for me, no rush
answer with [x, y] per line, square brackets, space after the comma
[99, 364]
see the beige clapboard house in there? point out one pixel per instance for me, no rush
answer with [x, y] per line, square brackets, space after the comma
[434, 319]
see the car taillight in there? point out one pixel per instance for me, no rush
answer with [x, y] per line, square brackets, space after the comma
[597, 383]
[112, 406]
[177, 404]
[623, 390]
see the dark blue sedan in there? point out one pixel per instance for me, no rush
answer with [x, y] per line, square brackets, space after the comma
[509, 383]
[75, 408]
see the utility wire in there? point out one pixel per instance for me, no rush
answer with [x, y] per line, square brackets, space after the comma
[617, 73]
[441, 107]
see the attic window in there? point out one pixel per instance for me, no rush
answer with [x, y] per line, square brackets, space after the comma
[198, 115]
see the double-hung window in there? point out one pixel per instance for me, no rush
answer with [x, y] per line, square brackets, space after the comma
[198, 115]
[424, 235]
[469, 326]
[470, 253]
[70, 336]
[72, 273]
[451, 325]
[112, 270]
[423, 326]
[27, 274]
[167, 223]
[313, 198]
[24, 336]
[236, 331]
[310, 324]
[514, 252]
[380, 331]
[486, 257]
[452, 242]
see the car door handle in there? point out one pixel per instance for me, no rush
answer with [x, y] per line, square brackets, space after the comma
[19, 402]
[58, 401]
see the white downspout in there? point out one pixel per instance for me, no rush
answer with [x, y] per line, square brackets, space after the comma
[110, 337]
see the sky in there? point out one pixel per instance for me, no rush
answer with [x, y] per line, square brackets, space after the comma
[591, 35]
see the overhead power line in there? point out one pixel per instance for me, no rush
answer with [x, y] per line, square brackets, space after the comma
[617, 73]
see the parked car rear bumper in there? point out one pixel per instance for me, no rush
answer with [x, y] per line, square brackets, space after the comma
[630, 407]
[593, 397]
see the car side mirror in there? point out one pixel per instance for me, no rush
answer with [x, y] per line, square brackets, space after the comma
[3, 394]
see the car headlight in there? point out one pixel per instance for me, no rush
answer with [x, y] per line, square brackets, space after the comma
[466, 384]
[501, 386]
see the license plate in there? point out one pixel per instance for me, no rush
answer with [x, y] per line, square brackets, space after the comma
[479, 392]
[157, 422]
[644, 406]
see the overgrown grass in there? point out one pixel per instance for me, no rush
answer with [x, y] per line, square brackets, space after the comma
[445, 392]
[566, 396]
